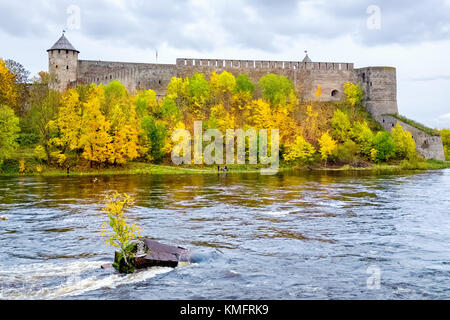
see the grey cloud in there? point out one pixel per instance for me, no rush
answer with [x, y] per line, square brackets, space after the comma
[147, 24]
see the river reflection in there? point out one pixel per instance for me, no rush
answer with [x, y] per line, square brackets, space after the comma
[287, 236]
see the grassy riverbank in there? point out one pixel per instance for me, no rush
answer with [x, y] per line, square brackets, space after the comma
[134, 168]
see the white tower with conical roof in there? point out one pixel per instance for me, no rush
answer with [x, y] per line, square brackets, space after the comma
[63, 63]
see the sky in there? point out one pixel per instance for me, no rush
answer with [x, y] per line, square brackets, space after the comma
[413, 36]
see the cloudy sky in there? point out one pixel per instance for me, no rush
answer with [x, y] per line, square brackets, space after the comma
[413, 36]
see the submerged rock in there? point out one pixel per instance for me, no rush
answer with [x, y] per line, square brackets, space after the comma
[150, 253]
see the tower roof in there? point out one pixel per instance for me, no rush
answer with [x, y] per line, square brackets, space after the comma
[63, 44]
[306, 59]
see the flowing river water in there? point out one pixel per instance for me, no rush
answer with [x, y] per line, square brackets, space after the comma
[328, 235]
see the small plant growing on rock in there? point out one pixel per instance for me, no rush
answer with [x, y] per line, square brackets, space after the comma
[119, 233]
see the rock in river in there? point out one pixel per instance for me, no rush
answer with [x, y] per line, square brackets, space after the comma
[150, 253]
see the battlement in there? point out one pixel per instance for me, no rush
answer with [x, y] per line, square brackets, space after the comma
[263, 64]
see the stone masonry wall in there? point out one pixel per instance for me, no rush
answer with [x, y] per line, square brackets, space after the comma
[63, 64]
[305, 76]
[380, 89]
[428, 146]
[134, 76]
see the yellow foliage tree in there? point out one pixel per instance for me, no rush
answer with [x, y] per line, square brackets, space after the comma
[310, 129]
[300, 151]
[124, 146]
[261, 115]
[95, 139]
[327, 145]
[8, 90]
[68, 122]
[404, 145]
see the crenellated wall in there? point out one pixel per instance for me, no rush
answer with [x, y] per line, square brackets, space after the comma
[306, 76]
[134, 76]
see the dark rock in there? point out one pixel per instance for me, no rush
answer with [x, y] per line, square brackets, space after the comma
[359, 165]
[150, 253]
[162, 255]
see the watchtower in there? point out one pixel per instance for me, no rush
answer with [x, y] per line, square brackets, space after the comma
[62, 63]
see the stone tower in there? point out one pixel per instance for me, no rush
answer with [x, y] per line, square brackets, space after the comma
[62, 63]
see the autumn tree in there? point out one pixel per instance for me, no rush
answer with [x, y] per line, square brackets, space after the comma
[445, 135]
[243, 94]
[22, 77]
[199, 93]
[8, 90]
[363, 136]
[354, 93]
[9, 127]
[178, 90]
[300, 151]
[341, 126]
[222, 87]
[68, 122]
[310, 128]
[95, 139]
[145, 102]
[404, 145]
[327, 145]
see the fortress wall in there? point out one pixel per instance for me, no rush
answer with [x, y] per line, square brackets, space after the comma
[134, 76]
[380, 89]
[306, 76]
[331, 82]
[428, 146]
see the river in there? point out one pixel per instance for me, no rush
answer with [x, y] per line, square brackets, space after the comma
[319, 235]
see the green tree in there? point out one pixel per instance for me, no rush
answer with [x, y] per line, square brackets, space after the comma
[199, 94]
[156, 133]
[244, 84]
[44, 109]
[363, 136]
[222, 87]
[384, 146]
[341, 126]
[276, 89]
[9, 127]
[146, 102]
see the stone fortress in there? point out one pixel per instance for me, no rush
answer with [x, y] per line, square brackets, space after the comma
[379, 83]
